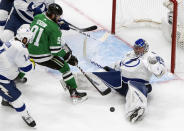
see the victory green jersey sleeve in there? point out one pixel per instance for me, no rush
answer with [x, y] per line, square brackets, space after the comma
[46, 41]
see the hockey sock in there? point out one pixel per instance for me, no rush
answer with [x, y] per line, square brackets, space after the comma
[69, 80]
[21, 75]
[18, 105]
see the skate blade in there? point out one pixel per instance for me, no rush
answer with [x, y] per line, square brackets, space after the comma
[137, 115]
[77, 100]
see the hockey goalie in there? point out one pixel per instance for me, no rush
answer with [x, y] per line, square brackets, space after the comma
[130, 77]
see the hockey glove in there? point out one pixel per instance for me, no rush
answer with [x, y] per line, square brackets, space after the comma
[63, 24]
[36, 9]
[107, 68]
[70, 59]
[152, 60]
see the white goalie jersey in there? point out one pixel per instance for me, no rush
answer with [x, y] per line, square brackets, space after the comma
[142, 67]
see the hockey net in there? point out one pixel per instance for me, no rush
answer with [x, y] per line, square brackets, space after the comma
[128, 14]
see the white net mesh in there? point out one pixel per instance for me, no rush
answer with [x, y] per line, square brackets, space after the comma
[129, 10]
[132, 15]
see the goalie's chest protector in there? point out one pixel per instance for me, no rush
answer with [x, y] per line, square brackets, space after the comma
[134, 67]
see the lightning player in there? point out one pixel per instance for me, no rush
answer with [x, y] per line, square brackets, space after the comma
[5, 8]
[46, 48]
[9, 69]
[135, 69]
[22, 13]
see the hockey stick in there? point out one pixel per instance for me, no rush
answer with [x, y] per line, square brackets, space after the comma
[91, 28]
[102, 39]
[83, 33]
[94, 83]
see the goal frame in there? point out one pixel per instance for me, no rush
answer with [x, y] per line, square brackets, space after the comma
[174, 29]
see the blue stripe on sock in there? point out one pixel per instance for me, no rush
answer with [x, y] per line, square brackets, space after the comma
[21, 108]
[27, 68]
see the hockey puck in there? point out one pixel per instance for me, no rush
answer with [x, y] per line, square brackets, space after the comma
[112, 109]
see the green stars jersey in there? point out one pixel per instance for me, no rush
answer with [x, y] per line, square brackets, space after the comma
[46, 40]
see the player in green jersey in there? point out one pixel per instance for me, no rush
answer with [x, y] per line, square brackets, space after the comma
[47, 50]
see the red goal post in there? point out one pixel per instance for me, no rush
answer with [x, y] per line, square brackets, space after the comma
[174, 28]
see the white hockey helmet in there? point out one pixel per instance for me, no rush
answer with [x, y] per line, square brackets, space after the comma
[24, 32]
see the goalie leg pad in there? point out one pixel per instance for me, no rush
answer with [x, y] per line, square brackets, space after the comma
[136, 101]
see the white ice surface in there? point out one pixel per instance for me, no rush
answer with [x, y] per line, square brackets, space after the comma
[51, 106]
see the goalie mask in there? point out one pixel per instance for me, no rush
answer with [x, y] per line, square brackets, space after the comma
[24, 34]
[140, 47]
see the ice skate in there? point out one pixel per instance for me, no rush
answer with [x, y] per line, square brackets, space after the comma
[28, 120]
[20, 80]
[76, 96]
[136, 114]
[6, 103]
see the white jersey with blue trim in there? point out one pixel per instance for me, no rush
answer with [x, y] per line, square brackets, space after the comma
[134, 67]
[21, 7]
[14, 57]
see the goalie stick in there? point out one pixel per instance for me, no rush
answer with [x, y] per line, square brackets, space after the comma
[95, 84]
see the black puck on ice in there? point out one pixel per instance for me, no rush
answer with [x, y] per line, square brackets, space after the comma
[112, 109]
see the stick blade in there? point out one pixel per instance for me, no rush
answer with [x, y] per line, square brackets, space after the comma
[91, 28]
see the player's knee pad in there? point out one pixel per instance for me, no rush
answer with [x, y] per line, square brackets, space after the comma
[9, 91]
[65, 68]
[6, 35]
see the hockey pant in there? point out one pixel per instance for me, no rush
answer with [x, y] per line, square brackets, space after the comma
[9, 92]
[59, 64]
